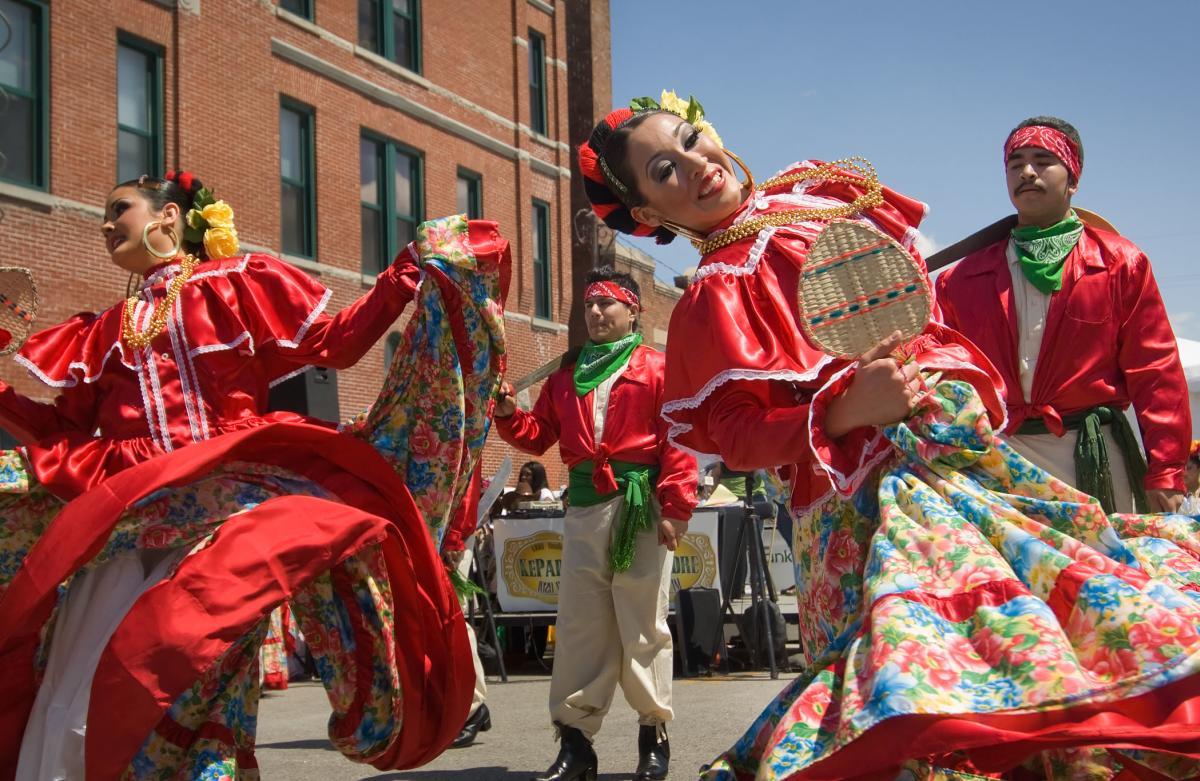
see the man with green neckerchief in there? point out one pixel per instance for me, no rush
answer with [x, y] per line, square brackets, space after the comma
[631, 494]
[1071, 316]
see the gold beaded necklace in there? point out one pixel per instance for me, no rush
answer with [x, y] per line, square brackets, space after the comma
[158, 321]
[829, 172]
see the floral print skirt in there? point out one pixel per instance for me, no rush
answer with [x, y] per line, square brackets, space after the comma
[967, 615]
[340, 526]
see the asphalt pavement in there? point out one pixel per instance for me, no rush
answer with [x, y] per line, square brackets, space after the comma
[710, 714]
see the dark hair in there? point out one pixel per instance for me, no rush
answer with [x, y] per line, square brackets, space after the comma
[538, 472]
[607, 148]
[610, 274]
[177, 188]
[1061, 125]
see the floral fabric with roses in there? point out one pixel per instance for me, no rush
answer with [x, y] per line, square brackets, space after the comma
[429, 425]
[967, 615]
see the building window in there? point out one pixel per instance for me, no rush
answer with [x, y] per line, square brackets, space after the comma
[302, 8]
[298, 192]
[139, 109]
[391, 200]
[470, 194]
[537, 82]
[24, 142]
[541, 259]
[392, 29]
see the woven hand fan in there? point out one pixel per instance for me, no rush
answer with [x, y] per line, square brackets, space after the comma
[857, 287]
[18, 306]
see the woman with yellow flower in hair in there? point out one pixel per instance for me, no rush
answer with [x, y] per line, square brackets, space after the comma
[179, 514]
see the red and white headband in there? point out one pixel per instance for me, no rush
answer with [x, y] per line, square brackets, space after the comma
[612, 290]
[1054, 141]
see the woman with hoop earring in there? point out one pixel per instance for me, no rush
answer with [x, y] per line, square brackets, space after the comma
[178, 513]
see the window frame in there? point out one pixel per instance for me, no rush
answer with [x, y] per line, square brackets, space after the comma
[308, 152]
[391, 150]
[539, 113]
[306, 13]
[385, 10]
[542, 260]
[157, 134]
[474, 192]
[40, 95]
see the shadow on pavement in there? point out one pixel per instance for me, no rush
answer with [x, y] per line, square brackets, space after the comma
[311, 743]
[492, 773]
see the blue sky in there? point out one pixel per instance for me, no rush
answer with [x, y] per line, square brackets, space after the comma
[927, 91]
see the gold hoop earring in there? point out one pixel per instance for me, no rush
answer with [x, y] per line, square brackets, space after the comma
[687, 233]
[174, 252]
[745, 169]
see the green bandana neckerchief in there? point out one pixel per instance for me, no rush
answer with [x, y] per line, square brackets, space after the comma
[598, 362]
[1043, 251]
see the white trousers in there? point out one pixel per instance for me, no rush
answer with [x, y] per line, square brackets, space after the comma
[464, 569]
[612, 627]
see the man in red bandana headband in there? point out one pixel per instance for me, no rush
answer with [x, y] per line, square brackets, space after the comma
[1072, 318]
[631, 495]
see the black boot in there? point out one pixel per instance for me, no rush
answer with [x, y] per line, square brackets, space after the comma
[654, 753]
[479, 721]
[576, 759]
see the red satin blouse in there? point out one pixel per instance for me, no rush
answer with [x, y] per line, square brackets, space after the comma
[744, 384]
[238, 326]
[633, 430]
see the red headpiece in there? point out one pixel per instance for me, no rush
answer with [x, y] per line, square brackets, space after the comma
[1051, 140]
[607, 289]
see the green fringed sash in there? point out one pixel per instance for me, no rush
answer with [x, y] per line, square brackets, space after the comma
[637, 481]
[1093, 475]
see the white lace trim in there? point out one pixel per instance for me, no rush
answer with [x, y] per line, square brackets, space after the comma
[749, 267]
[212, 348]
[288, 376]
[729, 375]
[174, 329]
[294, 342]
[843, 483]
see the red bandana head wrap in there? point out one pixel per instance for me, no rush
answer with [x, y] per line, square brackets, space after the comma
[611, 290]
[1051, 140]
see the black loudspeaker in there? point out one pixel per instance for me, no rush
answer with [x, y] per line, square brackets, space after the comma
[697, 625]
[313, 392]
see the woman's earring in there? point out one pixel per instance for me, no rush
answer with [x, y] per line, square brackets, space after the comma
[745, 169]
[174, 252]
[687, 233]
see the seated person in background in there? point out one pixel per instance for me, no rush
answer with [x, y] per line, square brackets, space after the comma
[532, 486]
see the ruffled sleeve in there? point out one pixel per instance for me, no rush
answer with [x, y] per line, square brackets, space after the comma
[68, 358]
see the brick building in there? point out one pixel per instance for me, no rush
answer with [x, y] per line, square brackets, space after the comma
[332, 127]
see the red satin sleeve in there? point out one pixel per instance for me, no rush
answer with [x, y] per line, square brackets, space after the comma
[677, 478]
[30, 421]
[283, 308]
[535, 431]
[462, 525]
[1149, 360]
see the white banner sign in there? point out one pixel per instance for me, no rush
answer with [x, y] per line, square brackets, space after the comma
[529, 560]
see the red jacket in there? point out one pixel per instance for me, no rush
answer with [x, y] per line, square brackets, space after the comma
[633, 429]
[1107, 341]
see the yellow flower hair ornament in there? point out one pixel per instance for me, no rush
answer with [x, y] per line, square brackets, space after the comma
[210, 222]
[689, 109]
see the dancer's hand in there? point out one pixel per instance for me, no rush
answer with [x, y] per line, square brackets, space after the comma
[506, 402]
[670, 532]
[1164, 501]
[452, 558]
[881, 392]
